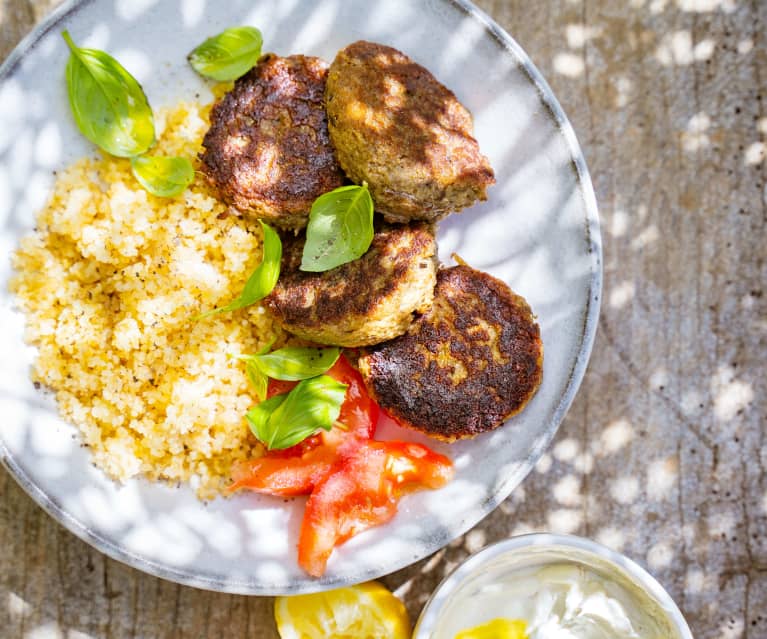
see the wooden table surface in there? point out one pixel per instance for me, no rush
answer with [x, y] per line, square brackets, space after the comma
[663, 454]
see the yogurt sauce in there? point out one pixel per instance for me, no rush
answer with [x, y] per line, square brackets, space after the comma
[570, 601]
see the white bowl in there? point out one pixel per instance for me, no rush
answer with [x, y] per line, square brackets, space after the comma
[497, 562]
[538, 231]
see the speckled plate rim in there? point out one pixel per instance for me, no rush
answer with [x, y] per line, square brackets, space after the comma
[628, 566]
[592, 236]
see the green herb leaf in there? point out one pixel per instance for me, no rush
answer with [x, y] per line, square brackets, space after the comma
[283, 421]
[162, 176]
[259, 381]
[108, 105]
[340, 228]
[295, 363]
[258, 416]
[228, 55]
[257, 378]
[262, 280]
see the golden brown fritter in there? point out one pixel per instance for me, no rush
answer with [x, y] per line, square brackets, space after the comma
[394, 126]
[267, 150]
[362, 302]
[465, 366]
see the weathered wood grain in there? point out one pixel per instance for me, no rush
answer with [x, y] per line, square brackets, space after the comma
[662, 455]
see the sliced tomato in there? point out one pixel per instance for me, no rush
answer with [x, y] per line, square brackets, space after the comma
[413, 466]
[280, 474]
[301, 448]
[354, 482]
[279, 386]
[296, 470]
[356, 496]
[359, 412]
[362, 492]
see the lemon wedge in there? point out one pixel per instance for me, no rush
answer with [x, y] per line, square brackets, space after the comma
[365, 611]
[496, 629]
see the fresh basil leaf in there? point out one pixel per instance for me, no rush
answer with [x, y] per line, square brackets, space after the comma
[108, 105]
[262, 280]
[228, 55]
[257, 378]
[258, 416]
[294, 363]
[340, 228]
[162, 176]
[313, 404]
[259, 381]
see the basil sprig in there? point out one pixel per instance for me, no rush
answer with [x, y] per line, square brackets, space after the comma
[108, 105]
[285, 420]
[293, 363]
[262, 280]
[290, 363]
[228, 55]
[163, 176]
[111, 110]
[257, 378]
[340, 228]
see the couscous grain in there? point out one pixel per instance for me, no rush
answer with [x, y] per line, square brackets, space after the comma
[110, 282]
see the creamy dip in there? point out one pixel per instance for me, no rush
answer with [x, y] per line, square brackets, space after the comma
[561, 601]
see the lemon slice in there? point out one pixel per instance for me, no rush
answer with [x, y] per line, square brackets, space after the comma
[496, 629]
[365, 611]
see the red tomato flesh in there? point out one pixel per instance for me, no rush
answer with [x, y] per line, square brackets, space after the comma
[353, 482]
[356, 496]
[413, 466]
[363, 492]
[284, 475]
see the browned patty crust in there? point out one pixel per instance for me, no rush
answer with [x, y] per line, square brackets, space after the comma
[397, 128]
[362, 302]
[470, 362]
[268, 151]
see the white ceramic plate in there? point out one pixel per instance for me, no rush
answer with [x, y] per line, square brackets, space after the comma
[538, 231]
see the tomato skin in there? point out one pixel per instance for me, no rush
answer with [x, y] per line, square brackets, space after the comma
[362, 492]
[359, 412]
[278, 387]
[356, 496]
[284, 475]
[414, 466]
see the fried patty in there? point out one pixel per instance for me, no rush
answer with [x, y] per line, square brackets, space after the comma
[394, 126]
[466, 365]
[366, 301]
[268, 151]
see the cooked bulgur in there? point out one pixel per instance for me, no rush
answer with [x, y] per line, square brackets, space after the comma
[110, 282]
